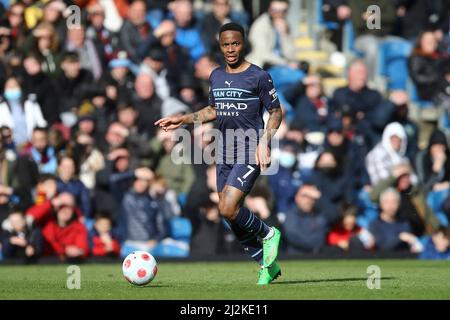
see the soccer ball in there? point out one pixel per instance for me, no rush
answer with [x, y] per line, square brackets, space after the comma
[139, 268]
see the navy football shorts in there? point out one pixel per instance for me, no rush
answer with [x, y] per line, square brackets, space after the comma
[241, 176]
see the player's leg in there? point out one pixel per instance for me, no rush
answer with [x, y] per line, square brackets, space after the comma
[252, 246]
[239, 182]
[230, 201]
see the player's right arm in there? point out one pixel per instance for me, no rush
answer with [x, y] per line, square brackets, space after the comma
[204, 115]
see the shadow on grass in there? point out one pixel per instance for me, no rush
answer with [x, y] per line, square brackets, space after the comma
[326, 280]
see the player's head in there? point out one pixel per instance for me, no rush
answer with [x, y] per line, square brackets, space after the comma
[232, 43]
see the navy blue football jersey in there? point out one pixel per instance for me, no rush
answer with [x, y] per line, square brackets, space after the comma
[240, 100]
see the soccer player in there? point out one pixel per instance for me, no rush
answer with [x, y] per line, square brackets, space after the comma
[239, 93]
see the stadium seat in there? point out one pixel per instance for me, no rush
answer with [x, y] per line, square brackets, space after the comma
[320, 18]
[435, 200]
[369, 210]
[393, 63]
[414, 97]
[170, 248]
[180, 229]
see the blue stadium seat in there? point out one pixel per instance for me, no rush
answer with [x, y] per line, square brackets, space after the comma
[321, 20]
[435, 200]
[369, 209]
[171, 249]
[393, 62]
[180, 229]
[284, 76]
[414, 97]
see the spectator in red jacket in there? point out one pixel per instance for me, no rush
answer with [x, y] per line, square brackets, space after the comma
[102, 242]
[344, 229]
[64, 234]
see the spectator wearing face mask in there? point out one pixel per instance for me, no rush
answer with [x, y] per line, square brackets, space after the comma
[348, 151]
[433, 164]
[332, 180]
[286, 181]
[21, 114]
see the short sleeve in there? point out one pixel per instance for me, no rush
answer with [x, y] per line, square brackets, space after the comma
[211, 100]
[267, 92]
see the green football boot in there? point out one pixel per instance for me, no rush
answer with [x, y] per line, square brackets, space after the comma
[270, 248]
[267, 275]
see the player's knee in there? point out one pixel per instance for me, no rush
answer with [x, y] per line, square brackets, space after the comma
[227, 210]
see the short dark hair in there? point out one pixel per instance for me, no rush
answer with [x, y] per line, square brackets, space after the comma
[232, 26]
[41, 129]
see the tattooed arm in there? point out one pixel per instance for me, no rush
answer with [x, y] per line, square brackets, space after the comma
[262, 155]
[204, 115]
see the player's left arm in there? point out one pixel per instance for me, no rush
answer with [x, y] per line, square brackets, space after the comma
[263, 150]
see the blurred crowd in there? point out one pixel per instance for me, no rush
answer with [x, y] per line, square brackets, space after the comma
[85, 173]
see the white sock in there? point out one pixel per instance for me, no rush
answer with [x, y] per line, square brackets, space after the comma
[269, 235]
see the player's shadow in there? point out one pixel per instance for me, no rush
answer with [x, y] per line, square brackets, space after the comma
[326, 280]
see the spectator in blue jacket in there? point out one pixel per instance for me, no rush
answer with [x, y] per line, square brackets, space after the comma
[286, 181]
[306, 224]
[310, 104]
[69, 182]
[437, 247]
[142, 224]
[188, 32]
[390, 233]
[370, 112]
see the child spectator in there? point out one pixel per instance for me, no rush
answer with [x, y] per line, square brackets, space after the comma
[344, 233]
[102, 242]
[20, 238]
[65, 236]
[438, 246]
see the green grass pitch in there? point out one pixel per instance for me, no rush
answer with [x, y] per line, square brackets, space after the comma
[323, 279]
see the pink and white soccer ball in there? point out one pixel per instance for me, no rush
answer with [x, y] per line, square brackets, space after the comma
[139, 268]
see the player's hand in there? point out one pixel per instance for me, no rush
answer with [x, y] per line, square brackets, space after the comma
[262, 156]
[170, 123]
